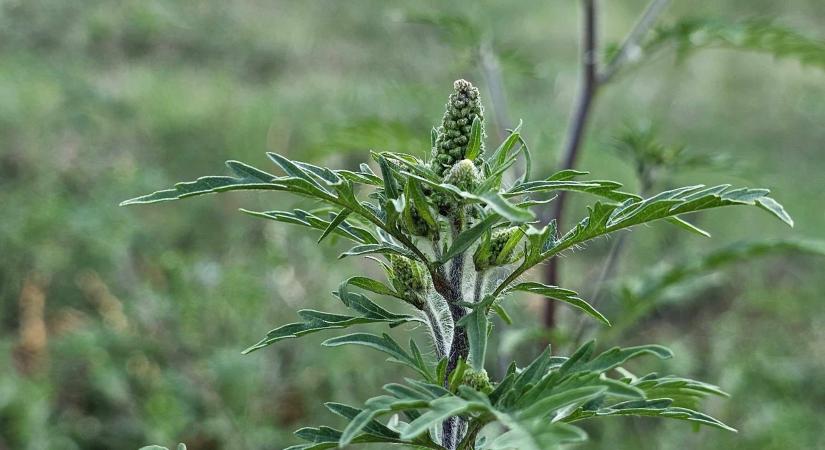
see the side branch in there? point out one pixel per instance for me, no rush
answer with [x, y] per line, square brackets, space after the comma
[631, 43]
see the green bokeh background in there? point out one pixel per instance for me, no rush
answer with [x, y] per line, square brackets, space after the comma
[145, 310]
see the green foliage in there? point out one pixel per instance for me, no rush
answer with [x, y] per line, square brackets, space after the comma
[453, 406]
[653, 284]
[315, 321]
[100, 103]
[669, 283]
[653, 161]
[562, 295]
[755, 35]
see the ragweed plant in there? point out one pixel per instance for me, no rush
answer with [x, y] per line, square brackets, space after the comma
[455, 242]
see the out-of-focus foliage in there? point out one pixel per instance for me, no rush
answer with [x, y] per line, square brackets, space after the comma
[654, 162]
[118, 330]
[673, 283]
[754, 35]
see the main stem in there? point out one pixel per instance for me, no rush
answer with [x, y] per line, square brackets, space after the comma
[578, 124]
[459, 349]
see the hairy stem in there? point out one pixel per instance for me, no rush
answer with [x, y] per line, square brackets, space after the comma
[460, 346]
[468, 442]
[438, 274]
[437, 332]
[442, 284]
[479, 286]
[457, 273]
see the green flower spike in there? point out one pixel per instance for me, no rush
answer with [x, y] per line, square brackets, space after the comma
[454, 133]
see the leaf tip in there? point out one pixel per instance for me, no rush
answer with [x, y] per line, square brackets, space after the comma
[663, 352]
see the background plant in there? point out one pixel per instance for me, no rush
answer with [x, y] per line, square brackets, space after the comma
[101, 103]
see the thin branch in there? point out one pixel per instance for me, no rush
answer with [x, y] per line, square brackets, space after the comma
[592, 80]
[631, 44]
[588, 90]
[589, 87]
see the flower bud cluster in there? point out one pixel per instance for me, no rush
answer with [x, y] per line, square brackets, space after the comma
[444, 202]
[415, 224]
[463, 175]
[496, 249]
[408, 278]
[454, 133]
[478, 380]
[498, 241]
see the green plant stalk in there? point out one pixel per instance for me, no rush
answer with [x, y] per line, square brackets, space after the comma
[457, 396]
[459, 349]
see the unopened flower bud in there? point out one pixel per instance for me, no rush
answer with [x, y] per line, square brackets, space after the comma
[496, 249]
[463, 175]
[407, 277]
[478, 380]
[498, 241]
[414, 223]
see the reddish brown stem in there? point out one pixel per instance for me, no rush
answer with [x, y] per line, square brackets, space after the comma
[588, 89]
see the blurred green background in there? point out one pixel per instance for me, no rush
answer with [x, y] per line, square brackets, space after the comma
[123, 327]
